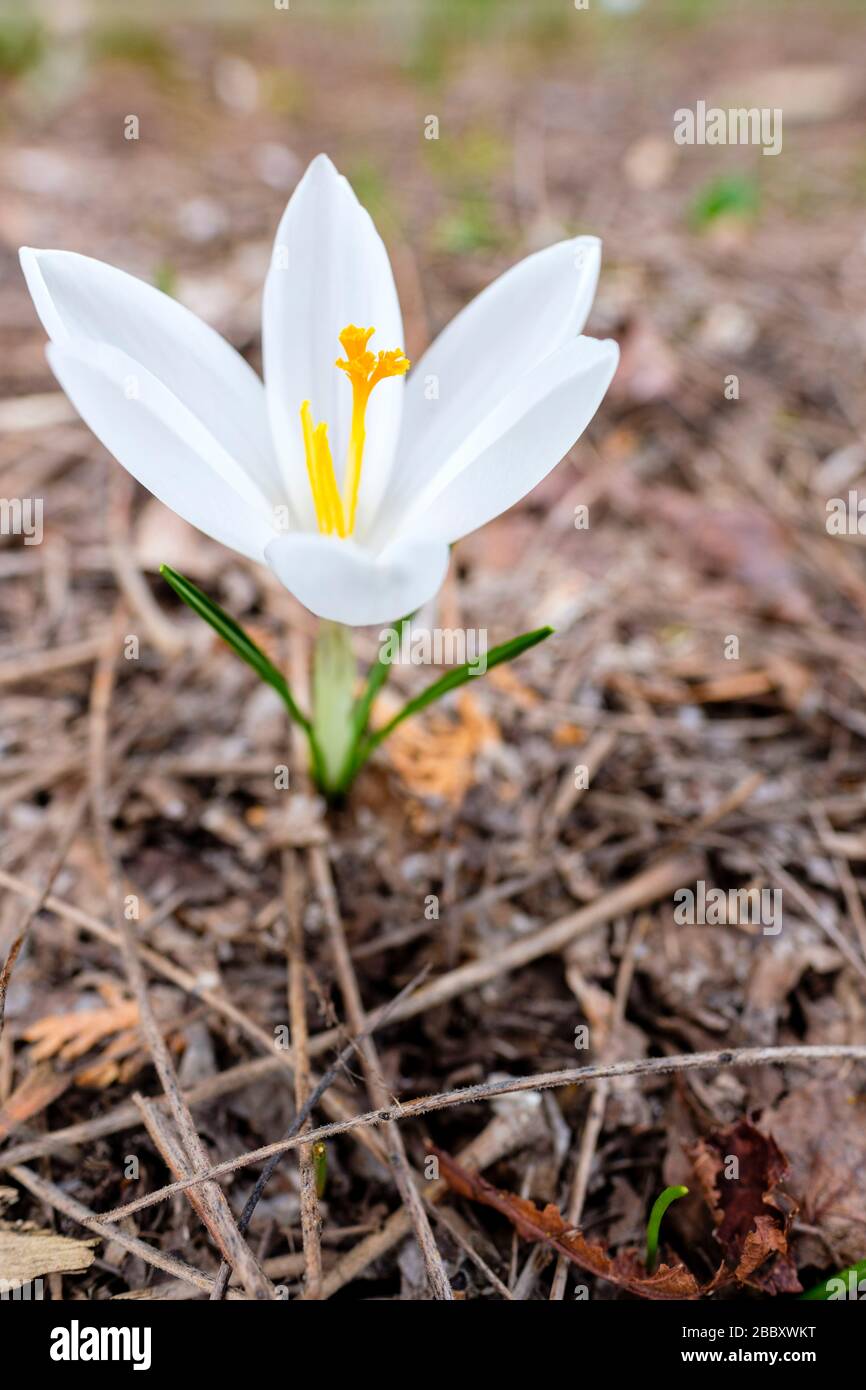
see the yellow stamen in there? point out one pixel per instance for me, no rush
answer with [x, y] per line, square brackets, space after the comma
[328, 481]
[320, 471]
[364, 370]
[310, 456]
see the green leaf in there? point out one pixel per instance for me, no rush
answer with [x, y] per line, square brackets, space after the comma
[508, 651]
[376, 678]
[823, 1291]
[731, 195]
[660, 1206]
[233, 634]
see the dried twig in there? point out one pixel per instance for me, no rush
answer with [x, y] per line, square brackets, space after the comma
[58, 859]
[225, 1235]
[276, 1059]
[507, 1131]
[487, 1090]
[255, 1281]
[162, 631]
[375, 1083]
[30, 666]
[55, 1197]
[597, 1105]
[656, 882]
[301, 1117]
[310, 1218]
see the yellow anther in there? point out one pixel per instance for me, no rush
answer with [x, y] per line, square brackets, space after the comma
[320, 471]
[328, 482]
[310, 456]
[364, 370]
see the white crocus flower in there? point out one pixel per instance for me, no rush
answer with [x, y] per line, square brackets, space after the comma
[350, 482]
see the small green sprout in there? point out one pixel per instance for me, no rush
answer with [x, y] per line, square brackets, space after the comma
[320, 1167]
[660, 1206]
[845, 1284]
[730, 196]
[165, 278]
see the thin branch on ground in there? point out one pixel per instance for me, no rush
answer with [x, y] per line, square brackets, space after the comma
[540, 1081]
[310, 1218]
[252, 1276]
[515, 1125]
[594, 1121]
[58, 859]
[304, 1113]
[55, 1197]
[376, 1087]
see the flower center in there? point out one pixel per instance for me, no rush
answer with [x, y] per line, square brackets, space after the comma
[335, 511]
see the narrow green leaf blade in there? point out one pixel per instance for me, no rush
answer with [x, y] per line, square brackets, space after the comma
[234, 636]
[851, 1280]
[376, 678]
[507, 651]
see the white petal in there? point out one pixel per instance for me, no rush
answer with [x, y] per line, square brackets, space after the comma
[517, 444]
[329, 269]
[83, 301]
[517, 321]
[163, 445]
[339, 580]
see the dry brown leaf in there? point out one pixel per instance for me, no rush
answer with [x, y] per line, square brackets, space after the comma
[71, 1035]
[523, 695]
[746, 685]
[751, 1213]
[119, 1061]
[436, 756]
[40, 1087]
[822, 1125]
[27, 1252]
[625, 1269]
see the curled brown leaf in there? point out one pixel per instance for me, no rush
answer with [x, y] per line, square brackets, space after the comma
[626, 1269]
[740, 1171]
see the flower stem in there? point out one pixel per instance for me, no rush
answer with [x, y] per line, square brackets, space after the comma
[333, 699]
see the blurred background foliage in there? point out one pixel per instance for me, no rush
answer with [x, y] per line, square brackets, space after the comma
[551, 120]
